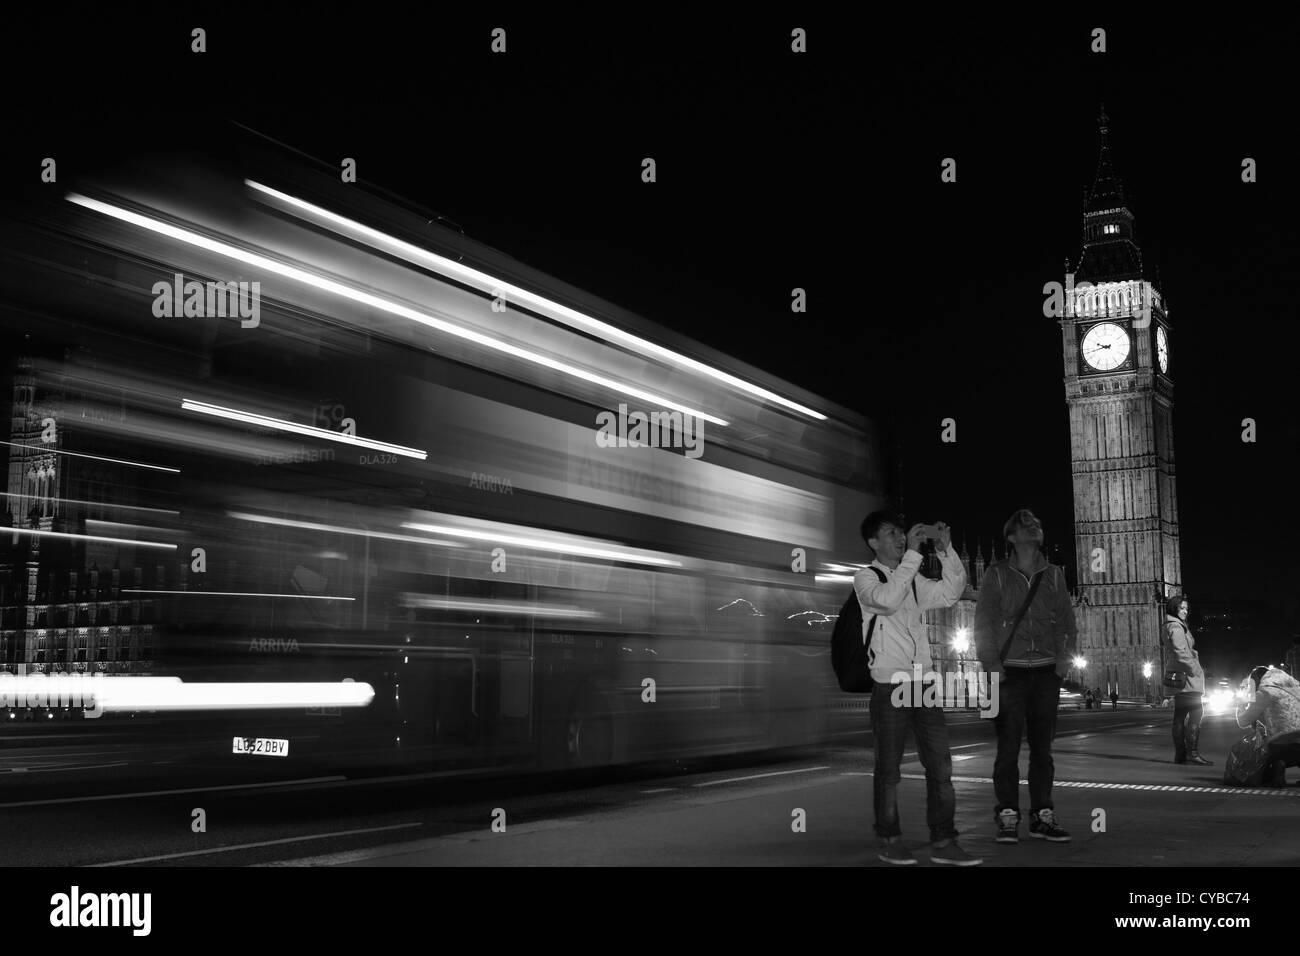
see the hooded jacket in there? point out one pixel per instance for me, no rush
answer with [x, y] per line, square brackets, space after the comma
[1181, 656]
[1047, 634]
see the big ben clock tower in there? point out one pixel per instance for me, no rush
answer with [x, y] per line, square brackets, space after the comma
[1120, 359]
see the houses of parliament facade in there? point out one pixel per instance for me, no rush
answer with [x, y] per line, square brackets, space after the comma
[67, 575]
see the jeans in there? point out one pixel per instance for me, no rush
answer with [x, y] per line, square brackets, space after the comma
[1030, 697]
[889, 726]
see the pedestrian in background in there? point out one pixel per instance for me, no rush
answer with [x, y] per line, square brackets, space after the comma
[1185, 676]
[1276, 704]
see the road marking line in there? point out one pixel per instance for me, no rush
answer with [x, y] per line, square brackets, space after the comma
[659, 790]
[168, 793]
[89, 766]
[1164, 788]
[249, 846]
[756, 776]
[359, 856]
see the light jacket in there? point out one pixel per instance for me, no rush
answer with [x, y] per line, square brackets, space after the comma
[1277, 703]
[898, 642]
[1047, 634]
[1181, 656]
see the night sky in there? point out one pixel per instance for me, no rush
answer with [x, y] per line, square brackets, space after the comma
[819, 171]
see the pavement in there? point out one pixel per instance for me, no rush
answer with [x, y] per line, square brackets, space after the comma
[1117, 791]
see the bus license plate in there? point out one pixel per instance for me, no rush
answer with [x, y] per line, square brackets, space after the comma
[263, 746]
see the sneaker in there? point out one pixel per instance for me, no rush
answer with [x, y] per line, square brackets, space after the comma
[897, 853]
[1043, 825]
[1008, 825]
[953, 855]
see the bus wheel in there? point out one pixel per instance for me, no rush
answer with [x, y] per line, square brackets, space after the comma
[590, 732]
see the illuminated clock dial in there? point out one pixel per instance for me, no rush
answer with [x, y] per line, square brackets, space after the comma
[1105, 347]
[1162, 348]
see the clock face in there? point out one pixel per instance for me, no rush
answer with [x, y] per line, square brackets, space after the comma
[1162, 348]
[1105, 347]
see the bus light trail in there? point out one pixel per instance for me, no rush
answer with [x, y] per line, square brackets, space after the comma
[279, 424]
[494, 286]
[373, 301]
[46, 450]
[96, 504]
[834, 579]
[542, 544]
[88, 537]
[111, 693]
[256, 594]
[124, 526]
[340, 529]
[167, 696]
[496, 607]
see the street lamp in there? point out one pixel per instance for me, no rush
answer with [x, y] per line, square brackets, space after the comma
[1146, 673]
[1080, 664]
[961, 644]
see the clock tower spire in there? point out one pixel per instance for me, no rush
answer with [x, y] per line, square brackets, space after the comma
[1110, 250]
[1118, 387]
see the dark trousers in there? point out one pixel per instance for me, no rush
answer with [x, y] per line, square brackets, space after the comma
[1187, 724]
[889, 727]
[1029, 698]
[1287, 752]
[1280, 756]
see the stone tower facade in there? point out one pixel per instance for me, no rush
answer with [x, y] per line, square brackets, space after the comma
[1120, 357]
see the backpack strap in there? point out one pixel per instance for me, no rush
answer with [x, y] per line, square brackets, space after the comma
[872, 626]
[1020, 615]
[866, 639]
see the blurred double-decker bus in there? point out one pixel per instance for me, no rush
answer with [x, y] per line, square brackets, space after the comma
[309, 435]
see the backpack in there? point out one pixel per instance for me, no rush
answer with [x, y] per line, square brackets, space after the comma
[850, 651]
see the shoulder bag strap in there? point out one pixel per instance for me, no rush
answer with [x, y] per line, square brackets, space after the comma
[1029, 599]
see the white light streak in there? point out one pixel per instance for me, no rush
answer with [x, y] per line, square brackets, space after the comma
[493, 286]
[834, 579]
[87, 537]
[108, 693]
[541, 544]
[266, 421]
[96, 504]
[497, 607]
[248, 696]
[256, 594]
[339, 529]
[123, 525]
[378, 302]
[45, 450]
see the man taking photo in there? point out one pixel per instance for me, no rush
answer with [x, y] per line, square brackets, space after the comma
[893, 596]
